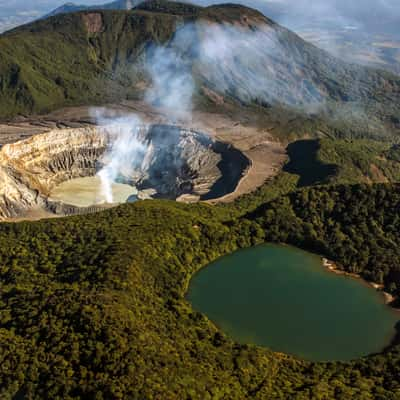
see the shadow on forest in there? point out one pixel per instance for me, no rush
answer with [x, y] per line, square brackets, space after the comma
[303, 161]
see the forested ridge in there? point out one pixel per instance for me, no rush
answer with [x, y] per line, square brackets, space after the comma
[93, 307]
[357, 226]
[328, 161]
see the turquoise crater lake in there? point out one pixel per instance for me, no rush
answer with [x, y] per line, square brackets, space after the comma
[283, 298]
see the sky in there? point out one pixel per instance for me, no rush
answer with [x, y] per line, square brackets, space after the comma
[17, 12]
[376, 14]
[294, 14]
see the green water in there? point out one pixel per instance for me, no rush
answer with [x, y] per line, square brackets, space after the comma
[87, 191]
[283, 298]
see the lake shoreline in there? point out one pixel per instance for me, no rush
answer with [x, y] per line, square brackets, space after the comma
[331, 266]
[207, 290]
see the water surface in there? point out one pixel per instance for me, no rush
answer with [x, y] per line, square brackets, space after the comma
[84, 192]
[282, 298]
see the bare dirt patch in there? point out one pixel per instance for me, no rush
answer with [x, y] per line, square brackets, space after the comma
[93, 22]
[377, 174]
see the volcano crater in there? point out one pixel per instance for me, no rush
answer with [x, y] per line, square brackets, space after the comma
[171, 163]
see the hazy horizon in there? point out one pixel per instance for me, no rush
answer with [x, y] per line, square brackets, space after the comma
[18, 12]
[374, 13]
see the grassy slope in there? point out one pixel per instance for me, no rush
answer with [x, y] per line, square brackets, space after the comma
[93, 307]
[56, 62]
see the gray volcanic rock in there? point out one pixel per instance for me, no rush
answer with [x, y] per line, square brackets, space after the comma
[178, 161]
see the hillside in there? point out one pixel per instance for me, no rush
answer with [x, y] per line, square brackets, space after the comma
[325, 161]
[94, 307]
[104, 56]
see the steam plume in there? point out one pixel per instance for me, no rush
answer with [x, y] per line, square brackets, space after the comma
[248, 64]
[172, 83]
[125, 152]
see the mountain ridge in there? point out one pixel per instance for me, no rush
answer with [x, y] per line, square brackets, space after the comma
[71, 7]
[98, 65]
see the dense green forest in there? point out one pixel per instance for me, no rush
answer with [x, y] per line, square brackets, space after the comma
[93, 307]
[357, 226]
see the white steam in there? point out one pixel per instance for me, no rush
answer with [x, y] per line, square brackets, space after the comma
[125, 150]
[253, 65]
[346, 29]
[172, 83]
[250, 64]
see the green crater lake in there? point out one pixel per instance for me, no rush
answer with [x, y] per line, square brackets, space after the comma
[283, 298]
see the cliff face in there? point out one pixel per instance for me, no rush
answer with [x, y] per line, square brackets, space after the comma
[30, 169]
[174, 162]
[177, 162]
[180, 162]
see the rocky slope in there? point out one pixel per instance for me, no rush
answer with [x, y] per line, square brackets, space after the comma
[174, 162]
[179, 162]
[29, 169]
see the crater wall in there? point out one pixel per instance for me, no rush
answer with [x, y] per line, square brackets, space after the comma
[177, 164]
